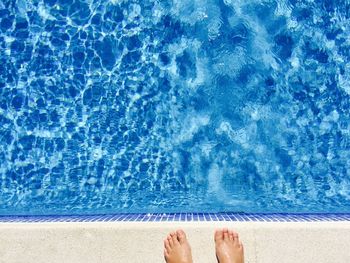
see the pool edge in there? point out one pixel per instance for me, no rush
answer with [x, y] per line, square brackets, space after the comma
[182, 217]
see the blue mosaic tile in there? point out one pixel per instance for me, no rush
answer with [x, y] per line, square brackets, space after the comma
[182, 217]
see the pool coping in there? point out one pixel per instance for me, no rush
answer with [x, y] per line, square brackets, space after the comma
[135, 242]
[181, 217]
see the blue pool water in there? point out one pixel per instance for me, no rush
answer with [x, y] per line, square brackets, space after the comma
[174, 105]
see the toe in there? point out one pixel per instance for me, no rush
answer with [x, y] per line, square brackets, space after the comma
[236, 240]
[230, 235]
[170, 240]
[181, 236]
[226, 236]
[167, 245]
[235, 235]
[174, 239]
[241, 247]
[219, 235]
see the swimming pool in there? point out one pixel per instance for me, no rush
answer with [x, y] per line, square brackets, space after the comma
[174, 106]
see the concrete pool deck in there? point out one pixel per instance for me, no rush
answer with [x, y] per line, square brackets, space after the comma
[142, 242]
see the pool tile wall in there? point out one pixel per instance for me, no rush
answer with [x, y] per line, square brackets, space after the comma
[182, 217]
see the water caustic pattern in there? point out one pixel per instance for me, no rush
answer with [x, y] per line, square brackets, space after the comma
[174, 105]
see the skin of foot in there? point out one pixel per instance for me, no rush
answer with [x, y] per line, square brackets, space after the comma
[228, 247]
[177, 249]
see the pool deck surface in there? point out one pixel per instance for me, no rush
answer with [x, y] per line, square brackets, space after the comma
[142, 242]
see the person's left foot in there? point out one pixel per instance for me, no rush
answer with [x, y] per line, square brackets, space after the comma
[177, 249]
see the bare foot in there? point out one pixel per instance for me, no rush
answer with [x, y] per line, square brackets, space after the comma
[228, 247]
[176, 248]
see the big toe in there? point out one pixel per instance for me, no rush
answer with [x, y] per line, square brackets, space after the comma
[181, 236]
[219, 235]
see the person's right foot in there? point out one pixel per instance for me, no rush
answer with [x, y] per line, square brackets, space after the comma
[228, 247]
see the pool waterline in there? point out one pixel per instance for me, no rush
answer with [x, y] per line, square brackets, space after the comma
[183, 217]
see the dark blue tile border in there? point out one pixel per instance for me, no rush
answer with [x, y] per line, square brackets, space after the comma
[182, 217]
